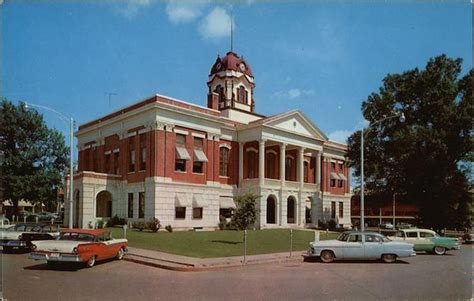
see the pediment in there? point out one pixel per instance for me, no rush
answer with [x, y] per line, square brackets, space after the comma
[297, 123]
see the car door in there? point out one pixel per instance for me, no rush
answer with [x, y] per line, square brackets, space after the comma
[109, 245]
[413, 238]
[353, 247]
[373, 247]
[426, 241]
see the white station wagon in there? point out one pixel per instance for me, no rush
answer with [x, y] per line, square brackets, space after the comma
[356, 245]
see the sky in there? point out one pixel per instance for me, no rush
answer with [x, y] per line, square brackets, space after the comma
[323, 58]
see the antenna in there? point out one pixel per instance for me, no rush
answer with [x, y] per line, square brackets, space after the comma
[110, 96]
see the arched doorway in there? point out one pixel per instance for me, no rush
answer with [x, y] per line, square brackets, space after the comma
[103, 204]
[309, 208]
[77, 206]
[271, 209]
[291, 210]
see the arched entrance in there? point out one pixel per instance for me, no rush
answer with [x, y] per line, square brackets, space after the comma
[77, 206]
[271, 209]
[309, 208]
[103, 204]
[291, 210]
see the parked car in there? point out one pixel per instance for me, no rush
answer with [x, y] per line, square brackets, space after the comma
[4, 223]
[468, 238]
[79, 245]
[360, 245]
[427, 240]
[19, 236]
[386, 226]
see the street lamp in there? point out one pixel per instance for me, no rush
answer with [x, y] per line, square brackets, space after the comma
[71, 136]
[401, 117]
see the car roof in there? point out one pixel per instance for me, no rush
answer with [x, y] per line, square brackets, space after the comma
[361, 232]
[416, 229]
[94, 232]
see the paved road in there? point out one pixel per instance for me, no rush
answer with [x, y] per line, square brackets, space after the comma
[424, 277]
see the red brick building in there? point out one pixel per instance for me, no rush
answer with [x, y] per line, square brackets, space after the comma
[376, 211]
[183, 163]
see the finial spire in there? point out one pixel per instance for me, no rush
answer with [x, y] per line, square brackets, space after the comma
[231, 29]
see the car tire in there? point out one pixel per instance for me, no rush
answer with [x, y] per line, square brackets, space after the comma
[7, 250]
[90, 262]
[327, 256]
[52, 264]
[389, 258]
[438, 250]
[120, 254]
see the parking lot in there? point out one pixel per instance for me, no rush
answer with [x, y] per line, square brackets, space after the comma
[424, 277]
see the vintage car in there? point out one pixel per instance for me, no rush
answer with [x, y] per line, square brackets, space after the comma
[427, 240]
[79, 245]
[357, 245]
[20, 236]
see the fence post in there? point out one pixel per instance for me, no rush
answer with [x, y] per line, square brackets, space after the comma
[291, 242]
[24, 218]
[37, 218]
[245, 246]
[316, 235]
[125, 231]
[13, 217]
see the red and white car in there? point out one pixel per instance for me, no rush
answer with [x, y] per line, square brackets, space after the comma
[79, 245]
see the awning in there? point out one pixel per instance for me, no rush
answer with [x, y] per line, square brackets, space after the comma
[199, 155]
[335, 176]
[342, 176]
[182, 153]
[198, 201]
[226, 202]
[181, 200]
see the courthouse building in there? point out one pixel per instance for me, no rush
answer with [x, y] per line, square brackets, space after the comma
[183, 163]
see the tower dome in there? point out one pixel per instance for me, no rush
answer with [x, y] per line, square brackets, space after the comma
[231, 61]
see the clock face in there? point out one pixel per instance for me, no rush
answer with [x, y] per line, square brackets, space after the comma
[218, 66]
[242, 67]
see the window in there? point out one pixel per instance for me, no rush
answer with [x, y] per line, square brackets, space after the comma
[333, 210]
[400, 234]
[340, 183]
[198, 163]
[305, 172]
[220, 90]
[116, 163]
[372, 238]
[224, 162]
[251, 164]
[341, 209]
[142, 152]
[333, 183]
[341, 167]
[355, 238]
[131, 154]
[130, 205]
[270, 166]
[288, 168]
[426, 234]
[95, 163]
[180, 162]
[180, 212]
[225, 212]
[197, 213]
[412, 234]
[333, 166]
[107, 163]
[141, 205]
[242, 95]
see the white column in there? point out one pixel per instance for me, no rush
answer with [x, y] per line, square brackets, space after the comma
[282, 164]
[301, 166]
[318, 169]
[261, 162]
[241, 163]
[300, 211]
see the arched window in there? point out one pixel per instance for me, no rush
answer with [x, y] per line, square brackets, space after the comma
[220, 90]
[224, 161]
[305, 172]
[291, 210]
[242, 95]
[289, 163]
[251, 164]
[270, 166]
[103, 204]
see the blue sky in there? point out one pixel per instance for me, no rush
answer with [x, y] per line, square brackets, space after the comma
[319, 57]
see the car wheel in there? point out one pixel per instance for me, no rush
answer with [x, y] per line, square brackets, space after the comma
[7, 250]
[90, 263]
[52, 264]
[120, 254]
[438, 250]
[327, 256]
[389, 258]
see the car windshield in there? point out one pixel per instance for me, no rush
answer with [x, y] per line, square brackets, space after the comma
[76, 236]
[342, 237]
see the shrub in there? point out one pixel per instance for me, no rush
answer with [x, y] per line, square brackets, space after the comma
[139, 225]
[100, 224]
[246, 213]
[322, 225]
[222, 223]
[116, 221]
[332, 224]
[169, 228]
[154, 224]
[90, 225]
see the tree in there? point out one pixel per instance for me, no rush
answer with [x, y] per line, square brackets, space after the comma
[34, 157]
[246, 213]
[425, 160]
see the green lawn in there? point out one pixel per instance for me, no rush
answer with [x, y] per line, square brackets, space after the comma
[208, 244]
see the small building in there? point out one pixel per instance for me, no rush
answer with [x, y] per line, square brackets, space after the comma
[183, 163]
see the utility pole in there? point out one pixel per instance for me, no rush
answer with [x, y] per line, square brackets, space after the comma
[110, 94]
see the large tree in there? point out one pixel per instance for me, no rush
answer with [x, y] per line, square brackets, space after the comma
[33, 157]
[425, 160]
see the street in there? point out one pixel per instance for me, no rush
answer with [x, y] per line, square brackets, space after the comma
[423, 277]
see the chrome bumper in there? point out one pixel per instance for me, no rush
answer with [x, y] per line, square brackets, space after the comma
[13, 243]
[413, 254]
[51, 257]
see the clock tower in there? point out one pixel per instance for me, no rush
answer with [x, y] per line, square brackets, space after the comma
[231, 85]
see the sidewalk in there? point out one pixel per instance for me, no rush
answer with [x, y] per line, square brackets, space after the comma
[184, 263]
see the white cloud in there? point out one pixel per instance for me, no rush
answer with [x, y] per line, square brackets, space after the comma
[132, 7]
[293, 93]
[216, 24]
[340, 136]
[184, 11]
